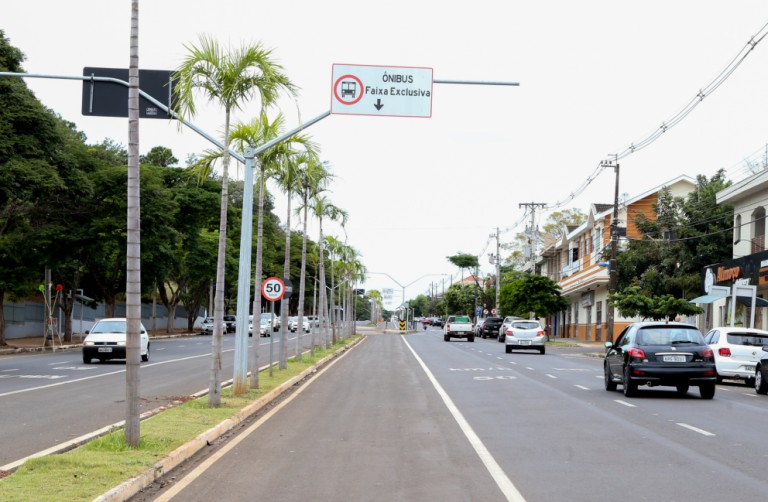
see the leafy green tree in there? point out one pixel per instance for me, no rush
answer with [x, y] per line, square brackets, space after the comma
[464, 260]
[229, 78]
[160, 156]
[534, 293]
[460, 299]
[678, 241]
[631, 302]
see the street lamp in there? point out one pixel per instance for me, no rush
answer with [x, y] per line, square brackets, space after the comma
[402, 287]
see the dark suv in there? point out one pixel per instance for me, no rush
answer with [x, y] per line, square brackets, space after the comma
[491, 327]
[657, 353]
[230, 322]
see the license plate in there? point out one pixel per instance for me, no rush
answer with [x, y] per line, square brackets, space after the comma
[105, 349]
[674, 359]
[525, 342]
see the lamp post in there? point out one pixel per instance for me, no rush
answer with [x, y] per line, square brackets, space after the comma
[402, 287]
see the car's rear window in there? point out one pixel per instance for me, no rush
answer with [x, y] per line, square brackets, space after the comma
[747, 339]
[526, 325]
[668, 336]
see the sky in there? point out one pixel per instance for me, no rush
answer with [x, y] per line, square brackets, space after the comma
[596, 77]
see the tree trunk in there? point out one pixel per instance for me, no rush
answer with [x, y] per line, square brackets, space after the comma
[302, 280]
[254, 360]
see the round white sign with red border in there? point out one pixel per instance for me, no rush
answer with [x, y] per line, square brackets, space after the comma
[273, 289]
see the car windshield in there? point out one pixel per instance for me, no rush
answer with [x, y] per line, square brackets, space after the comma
[668, 336]
[109, 327]
[526, 325]
[747, 339]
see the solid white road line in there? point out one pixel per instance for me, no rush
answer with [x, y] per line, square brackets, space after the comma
[499, 476]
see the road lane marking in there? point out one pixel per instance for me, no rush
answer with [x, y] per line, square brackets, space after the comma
[529, 368]
[60, 362]
[628, 405]
[695, 429]
[146, 365]
[581, 387]
[551, 376]
[499, 476]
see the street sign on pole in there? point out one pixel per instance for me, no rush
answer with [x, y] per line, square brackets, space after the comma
[273, 289]
[110, 99]
[393, 91]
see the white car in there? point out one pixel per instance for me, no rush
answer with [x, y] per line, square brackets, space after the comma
[269, 316]
[206, 328]
[294, 324]
[737, 351]
[107, 339]
[505, 324]
[525, 334]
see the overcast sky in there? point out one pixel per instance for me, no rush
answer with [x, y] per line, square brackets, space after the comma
[596, 77]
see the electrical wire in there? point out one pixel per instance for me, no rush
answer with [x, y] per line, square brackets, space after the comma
[704, 92]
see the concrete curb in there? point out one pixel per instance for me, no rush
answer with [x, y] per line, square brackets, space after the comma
[134, 485]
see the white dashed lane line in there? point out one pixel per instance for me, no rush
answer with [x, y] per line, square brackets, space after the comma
[624, 403]
[696, 429]
[551, 376]
[581, 387]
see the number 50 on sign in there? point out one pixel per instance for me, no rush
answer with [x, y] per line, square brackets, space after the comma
[273, 289]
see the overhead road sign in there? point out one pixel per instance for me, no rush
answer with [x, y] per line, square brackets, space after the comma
[110, 99]
[392, 91]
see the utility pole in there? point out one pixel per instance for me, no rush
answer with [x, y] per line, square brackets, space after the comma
[531, 231]
[612, 272]
[496, 259]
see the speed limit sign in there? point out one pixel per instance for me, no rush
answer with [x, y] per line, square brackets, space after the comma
[273, 289]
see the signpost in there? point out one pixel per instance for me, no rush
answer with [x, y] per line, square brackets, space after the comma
[273, 289]
[393, 91]
[110, 98]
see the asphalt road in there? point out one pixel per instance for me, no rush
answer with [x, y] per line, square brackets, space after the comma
[415, 418]
[47, 399]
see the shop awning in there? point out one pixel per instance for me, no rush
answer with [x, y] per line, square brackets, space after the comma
[747, 301]
[707, 299]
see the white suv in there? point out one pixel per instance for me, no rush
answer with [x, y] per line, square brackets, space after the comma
[737, 351]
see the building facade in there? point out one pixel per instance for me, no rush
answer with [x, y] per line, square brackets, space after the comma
[578, 262]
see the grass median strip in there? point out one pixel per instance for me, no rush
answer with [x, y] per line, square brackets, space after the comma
[104, 463]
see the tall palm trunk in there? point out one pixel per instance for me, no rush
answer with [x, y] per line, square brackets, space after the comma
[302, 281]
[322, 296]
[133, 250]
[254, 362]
[285, 303]
[217, 341]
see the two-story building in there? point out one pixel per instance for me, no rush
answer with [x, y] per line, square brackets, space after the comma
[578, 262]
[749, 266]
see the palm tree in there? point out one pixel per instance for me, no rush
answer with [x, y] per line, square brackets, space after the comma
[323, 208]
[289, 178]
[133, 250]
[314, 179]
[228, 78]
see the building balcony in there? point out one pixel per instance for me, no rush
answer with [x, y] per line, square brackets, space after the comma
[570, 269]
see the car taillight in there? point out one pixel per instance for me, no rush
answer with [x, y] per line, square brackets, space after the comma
[708, 354]
[723, 351]
[539, 333]
[636, 353]
[448, 327]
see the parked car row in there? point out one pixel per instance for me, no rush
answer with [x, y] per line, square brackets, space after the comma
[677, 355]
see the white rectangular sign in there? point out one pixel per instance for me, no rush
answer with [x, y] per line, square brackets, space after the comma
[394, 91]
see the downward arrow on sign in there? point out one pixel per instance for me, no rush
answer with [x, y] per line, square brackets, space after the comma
[378, 104]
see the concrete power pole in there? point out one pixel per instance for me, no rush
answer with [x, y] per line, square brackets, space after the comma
[532, 230]
[497, 260]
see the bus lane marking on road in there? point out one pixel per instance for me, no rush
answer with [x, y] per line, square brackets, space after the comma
[624, 403]
[506, 486]
[60, 362]
[581, 387]
[551, 376]
[696, 429]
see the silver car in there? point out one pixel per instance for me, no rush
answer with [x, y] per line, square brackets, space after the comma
[525, 334]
